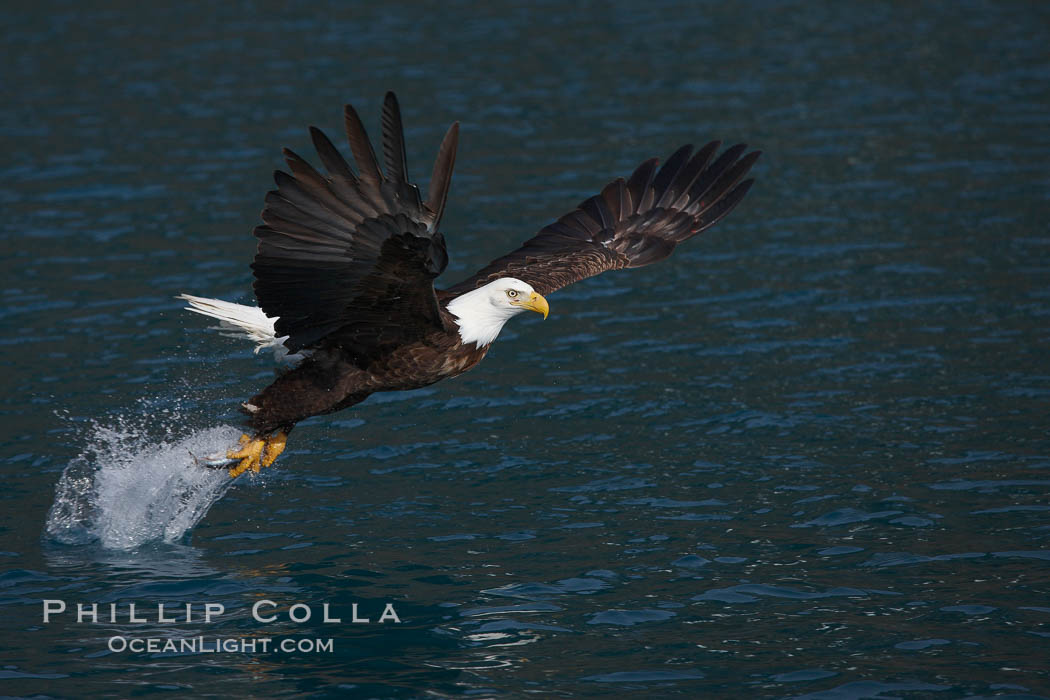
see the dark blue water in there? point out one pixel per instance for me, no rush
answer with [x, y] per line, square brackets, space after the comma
[807, 456]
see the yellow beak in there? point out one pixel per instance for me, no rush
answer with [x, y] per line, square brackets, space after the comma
[538, 304]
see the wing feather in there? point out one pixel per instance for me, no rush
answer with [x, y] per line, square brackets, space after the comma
[708, 178]
[677, 197]
[639, 182]
[715, 213]
[441, 178]
[629, 224]
[668, 174]
[350, 258]
[725, 182]
[321, 189]
[331, 158]
[361, 147]
[394, 140]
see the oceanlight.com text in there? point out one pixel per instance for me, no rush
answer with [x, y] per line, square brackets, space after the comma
[220, 645]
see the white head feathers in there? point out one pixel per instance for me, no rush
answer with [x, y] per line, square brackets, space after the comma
[482, 312]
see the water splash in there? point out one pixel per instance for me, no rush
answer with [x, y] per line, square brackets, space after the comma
[128, 488]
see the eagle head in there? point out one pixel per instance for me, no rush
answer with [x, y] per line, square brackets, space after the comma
[515, 296]
[482, 312]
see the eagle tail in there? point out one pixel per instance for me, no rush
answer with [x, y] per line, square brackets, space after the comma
[241, 321]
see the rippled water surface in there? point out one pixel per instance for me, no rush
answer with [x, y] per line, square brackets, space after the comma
[807, 456]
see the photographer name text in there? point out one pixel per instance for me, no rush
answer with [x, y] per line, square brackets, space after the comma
[262, 611]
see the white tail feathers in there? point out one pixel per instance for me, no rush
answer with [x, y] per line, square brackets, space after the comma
[240, 321]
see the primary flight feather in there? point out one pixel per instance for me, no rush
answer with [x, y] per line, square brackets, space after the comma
[346, 262]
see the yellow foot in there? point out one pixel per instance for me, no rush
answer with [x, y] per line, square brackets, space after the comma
[249, 455]
[256, 453]
[274, 448]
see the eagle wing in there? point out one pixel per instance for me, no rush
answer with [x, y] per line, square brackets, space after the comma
[630, 223]
[352, 258]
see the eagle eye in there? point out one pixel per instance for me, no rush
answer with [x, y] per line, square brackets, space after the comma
[512, 293]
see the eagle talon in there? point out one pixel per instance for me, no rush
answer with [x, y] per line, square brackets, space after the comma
[256, 453]
[274, 447]
[249, 455]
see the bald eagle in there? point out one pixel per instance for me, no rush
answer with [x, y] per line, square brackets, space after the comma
[346, 262]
